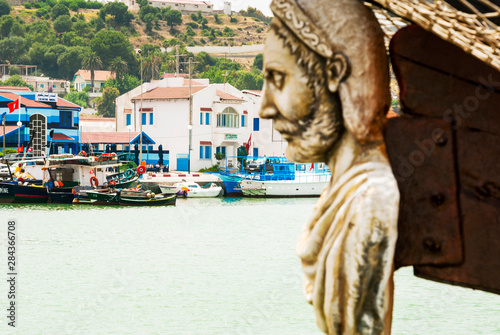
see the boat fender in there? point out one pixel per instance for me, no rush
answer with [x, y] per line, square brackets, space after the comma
[82, 153]
[20, 180]
[141, 169]
[112, 182]
[153, 194]
[148, 195]
[94, 182]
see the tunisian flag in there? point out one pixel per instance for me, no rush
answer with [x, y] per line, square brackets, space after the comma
[247, 146]
[13, 105]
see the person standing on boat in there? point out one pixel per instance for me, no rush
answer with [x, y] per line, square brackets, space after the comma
[327, 91]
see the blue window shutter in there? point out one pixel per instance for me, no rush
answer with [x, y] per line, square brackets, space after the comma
[207, 118]
[151, 118]
[223, 150]
[217, 150]
[256, 124]
[201, 118]
[256, 152]
[243, 121]
[143, 118]
[129, 119]
[201, 151]
[208, 152]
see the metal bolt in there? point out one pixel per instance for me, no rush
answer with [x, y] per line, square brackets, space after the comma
[431, 245]
[437, 200]
[441, 139]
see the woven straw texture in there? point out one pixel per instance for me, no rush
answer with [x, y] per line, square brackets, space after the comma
[469, 24]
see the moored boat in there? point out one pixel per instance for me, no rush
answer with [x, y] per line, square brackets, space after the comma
[194, 190]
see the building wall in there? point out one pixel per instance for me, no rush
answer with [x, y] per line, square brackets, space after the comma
[185, 8]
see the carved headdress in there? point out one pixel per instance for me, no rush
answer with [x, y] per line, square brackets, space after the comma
[346, 27]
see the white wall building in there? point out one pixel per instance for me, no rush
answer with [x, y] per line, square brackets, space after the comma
[223, 118]
[83, 78]
[265, 138]
[184, 6]
[227, 8]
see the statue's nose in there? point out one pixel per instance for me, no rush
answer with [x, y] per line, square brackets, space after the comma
[268, 112]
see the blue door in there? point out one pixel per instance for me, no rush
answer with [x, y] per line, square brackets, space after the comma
[182, 162]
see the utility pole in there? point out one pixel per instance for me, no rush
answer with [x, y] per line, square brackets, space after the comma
[177, 60]
[140, 116]
[190, 125]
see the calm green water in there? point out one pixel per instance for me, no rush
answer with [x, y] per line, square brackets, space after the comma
[207, 266]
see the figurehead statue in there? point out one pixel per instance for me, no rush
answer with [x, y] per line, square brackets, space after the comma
[327, 90]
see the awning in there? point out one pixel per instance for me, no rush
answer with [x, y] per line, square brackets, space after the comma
[58, 137]
[11, 135]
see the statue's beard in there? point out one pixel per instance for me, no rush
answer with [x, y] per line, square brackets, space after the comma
[312, 139]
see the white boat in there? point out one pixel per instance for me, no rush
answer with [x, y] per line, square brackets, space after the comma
[303, 185]
[193, 190]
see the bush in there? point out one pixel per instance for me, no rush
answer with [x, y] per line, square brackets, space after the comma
[193, 25]
[217, 19]
[13, 70]
[27, 5]
[194, 17]
[213, 168]
[259, 30]
[233, 20]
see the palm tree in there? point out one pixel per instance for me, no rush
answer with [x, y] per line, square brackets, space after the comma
[91, 61]
[119, 67]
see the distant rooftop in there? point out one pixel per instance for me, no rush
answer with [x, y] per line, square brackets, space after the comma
[99, 75]
[167, 93]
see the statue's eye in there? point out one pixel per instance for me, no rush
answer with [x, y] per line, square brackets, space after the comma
[276, 77]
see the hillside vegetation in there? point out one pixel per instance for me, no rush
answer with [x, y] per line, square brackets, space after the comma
[61, 37]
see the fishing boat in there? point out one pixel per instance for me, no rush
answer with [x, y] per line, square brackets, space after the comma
[194, 190]
[19, 192]
[274, 177]
[128, 197]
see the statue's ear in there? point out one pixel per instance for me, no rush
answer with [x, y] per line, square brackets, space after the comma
[337, 69]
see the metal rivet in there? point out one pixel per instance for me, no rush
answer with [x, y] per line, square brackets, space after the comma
[437, 200]
[441, 139]
[432, 245]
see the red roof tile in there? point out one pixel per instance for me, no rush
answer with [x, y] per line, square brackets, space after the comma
[172, 75]
[166, 93]
[108, 137]
[65, 103]
[15, 88]
[99, 75]
[24, 101]
[193, 83]
[205, 143]
[8, 129]
[62, 137]
[226, 96]
[97, 119]
[206, 109]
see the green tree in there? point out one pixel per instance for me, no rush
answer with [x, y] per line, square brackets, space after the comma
[91, 61]
[63, 24]
[59, 10]
[17, 29]
[6, 23]
[173, 17]
[13, 70]
[148, 10]
[4, 7]
[258, 62]
[119, 11]
[217, 19]
[111, 44]
[16, 80]
[128, 83]
[119, 67]
[70, 61]
[79, 98]
[12, 48]
[106, 106]
[49, 64]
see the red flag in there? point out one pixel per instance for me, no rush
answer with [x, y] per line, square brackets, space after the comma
[13, 106]
[247, 146]
[312, 167]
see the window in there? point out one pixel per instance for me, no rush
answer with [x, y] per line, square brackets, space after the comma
[201, 118]
[221, 150]
[243, 121]
[150, 118]
[228, 118]
[143, 118]
[256, 124]
[129, 119]
[65, 119]
[207, 119]
[255, 152]
[205, 152]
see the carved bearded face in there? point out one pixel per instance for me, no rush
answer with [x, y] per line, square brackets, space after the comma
[305, 113]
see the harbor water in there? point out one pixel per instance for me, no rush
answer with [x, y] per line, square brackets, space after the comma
[206, 266]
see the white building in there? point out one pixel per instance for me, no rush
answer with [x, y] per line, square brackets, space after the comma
[184, 6]
[265, 138]
[223, 119]
[83, 78]
[227, 8]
